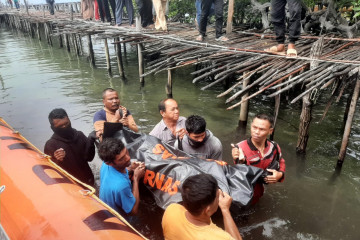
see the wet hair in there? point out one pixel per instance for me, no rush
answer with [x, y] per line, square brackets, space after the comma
[107, 90]
[264, 116]
[57, 113]
[198, 192]
[195, 124]
[109, 148]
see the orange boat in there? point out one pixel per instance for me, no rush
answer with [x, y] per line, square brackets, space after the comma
[39, 200]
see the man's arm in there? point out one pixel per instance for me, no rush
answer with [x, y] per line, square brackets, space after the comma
[230, 226]
[138, 174]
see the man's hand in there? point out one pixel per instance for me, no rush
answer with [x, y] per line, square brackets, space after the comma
[59, 154]
[237, 153]
[180, 133]
[275, 177]
[224, 200]
[124, 121]
[134, 165]
[139, 172]
[99, 133]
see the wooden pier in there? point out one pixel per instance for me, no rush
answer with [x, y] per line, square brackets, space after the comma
[324, 64]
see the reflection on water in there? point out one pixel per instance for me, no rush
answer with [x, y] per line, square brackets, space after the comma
[310, 204]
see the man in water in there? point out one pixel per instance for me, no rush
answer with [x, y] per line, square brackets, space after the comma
[260, 152]
[69, 148]
[200, 141]
[112, 112]
[192, 220]
[172, 124]
[115, 185]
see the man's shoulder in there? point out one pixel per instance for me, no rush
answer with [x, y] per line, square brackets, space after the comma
[100, 115]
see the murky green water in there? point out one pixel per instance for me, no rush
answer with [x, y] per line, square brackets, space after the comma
[310, 204]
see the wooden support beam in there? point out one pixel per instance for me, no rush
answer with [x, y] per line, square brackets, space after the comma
[348, 124]
[119, 58]
[76, 45]
[168, 87]
[91, 51]
[276, 113]
[305, 116]
[38, 31]
[67, 42]
[107, 55]
[141, 63]
[244, 108]
[230, 17]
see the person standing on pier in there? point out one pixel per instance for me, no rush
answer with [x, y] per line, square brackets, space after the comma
[115, 185]
[260, 152]
[205, 11]
[51, 6]
[145, 11]
[113, 112]
[160, 8]
[69, 148]
[199, 141]
[119, 11]
[172, 125]
[278, 20]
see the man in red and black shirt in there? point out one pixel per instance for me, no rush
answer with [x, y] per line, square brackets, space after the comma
[259, 152]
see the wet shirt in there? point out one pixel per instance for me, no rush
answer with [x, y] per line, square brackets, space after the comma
[78, 152]
[104, 115]
[176, 227]
[162, 132]
[254, 158]
[115, 189]
[211, 149]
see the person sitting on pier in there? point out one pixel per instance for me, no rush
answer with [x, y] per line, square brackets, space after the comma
[115, 185]
[200, 141]
[260, 152]
[205, 11]
[69, 148]
[112, 112]
[201, 198]
[278, 20]
[172, 124]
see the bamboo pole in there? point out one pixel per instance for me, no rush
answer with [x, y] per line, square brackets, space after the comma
[119, 58]
[168, 87]
[276, 114]
[141, 63]
[76, 45]
[107, 55]
[348, 124]
[91, 51]
[230, 17]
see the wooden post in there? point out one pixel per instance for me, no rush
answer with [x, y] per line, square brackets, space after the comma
[168, 87]
[141, 63]
[108, 64]
[244, 108]
[76, 44]
[230, 17]
[47, 33]
[67, 42]
[124, 46]
[305, 116]
[119, 58]
[91, 51]
[38, 31]
[276, 113]
[349, 120]
[71, 13]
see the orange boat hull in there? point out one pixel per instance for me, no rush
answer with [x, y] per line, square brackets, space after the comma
[40, 201]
